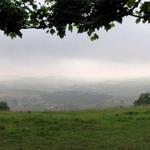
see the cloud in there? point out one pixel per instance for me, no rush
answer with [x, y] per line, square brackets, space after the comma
[121, 53]
[79, 69]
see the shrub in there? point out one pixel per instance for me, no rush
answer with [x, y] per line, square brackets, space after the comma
[144, 99]
[4, 106]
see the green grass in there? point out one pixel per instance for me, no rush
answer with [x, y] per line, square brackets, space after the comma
[110, 129]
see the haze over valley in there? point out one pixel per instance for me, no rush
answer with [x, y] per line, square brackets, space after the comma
[43, 72]
[52, 93]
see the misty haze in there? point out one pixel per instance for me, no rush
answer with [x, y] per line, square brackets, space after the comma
[59, 94]
[40, 72]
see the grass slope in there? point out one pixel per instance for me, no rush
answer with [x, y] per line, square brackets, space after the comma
[111, 129]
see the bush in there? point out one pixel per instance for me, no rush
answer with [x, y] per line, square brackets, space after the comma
[4, 106]
[144, 99]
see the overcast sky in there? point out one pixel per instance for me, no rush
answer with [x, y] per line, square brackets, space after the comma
[119, 54]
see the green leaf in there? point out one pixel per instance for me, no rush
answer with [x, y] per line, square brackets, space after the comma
[52, 31]
[131, 3]
[70, 27]
[146, 7]
[94, 37]
[138, 20]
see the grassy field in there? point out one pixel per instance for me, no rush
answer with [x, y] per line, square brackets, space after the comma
[111, 129]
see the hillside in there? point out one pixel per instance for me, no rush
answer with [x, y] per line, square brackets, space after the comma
[109, 129]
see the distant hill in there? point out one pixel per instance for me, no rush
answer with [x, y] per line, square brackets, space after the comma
[52, 93]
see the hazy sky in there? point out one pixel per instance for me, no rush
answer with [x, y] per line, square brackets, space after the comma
[120, 53]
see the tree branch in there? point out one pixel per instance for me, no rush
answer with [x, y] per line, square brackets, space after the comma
[135, 6]
[140, 17]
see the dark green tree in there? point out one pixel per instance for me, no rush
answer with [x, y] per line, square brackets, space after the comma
[58, 16]
[144, 99]
[4, 106]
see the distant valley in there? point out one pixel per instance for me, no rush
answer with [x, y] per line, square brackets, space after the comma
[58, 94]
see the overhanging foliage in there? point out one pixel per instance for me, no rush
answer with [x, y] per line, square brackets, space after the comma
[58, 16]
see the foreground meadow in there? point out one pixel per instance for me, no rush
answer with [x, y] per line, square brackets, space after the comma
[110, 129]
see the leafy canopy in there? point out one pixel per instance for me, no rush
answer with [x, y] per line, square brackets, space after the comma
[58, 16]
